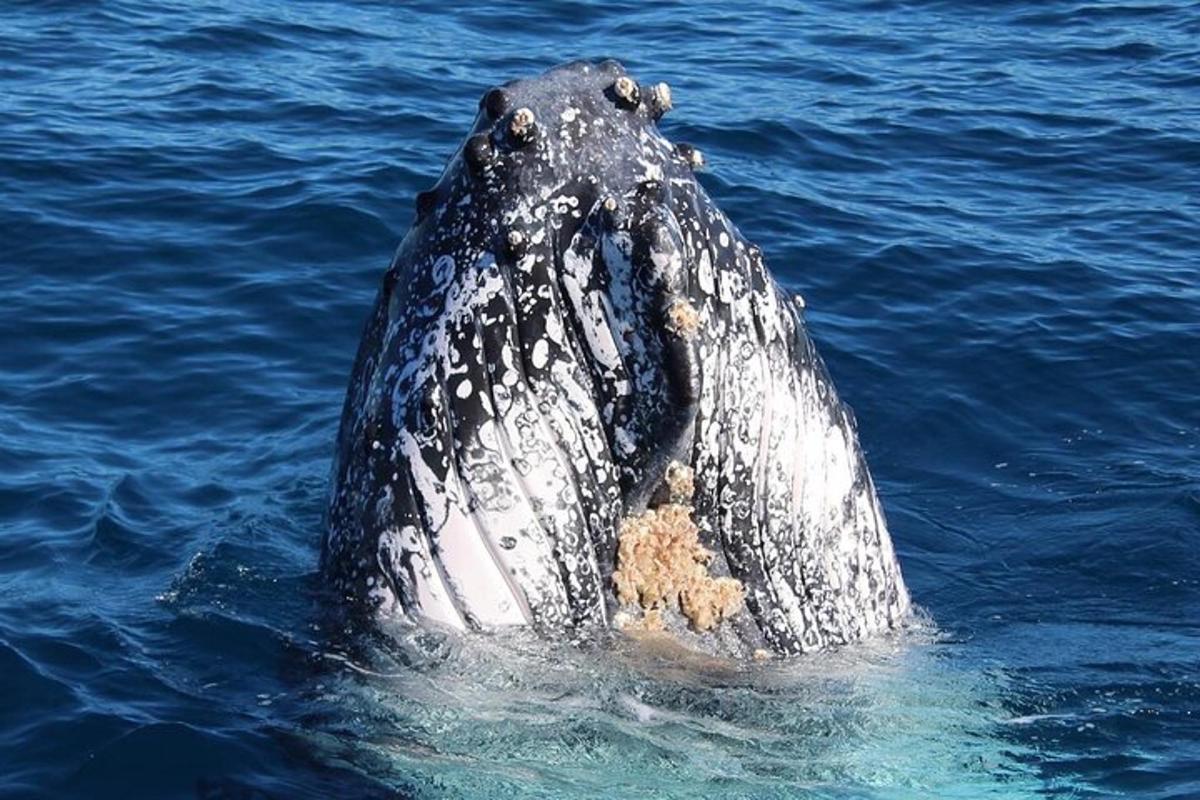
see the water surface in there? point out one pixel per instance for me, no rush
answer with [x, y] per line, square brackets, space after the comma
[991, 209]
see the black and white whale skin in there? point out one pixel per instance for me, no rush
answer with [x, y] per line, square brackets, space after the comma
[569, 314]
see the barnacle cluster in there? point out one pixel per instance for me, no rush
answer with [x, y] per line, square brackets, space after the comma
[663, 567]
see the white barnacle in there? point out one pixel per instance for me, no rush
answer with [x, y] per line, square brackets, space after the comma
[521, 124]
[661, 95]
[625, 88]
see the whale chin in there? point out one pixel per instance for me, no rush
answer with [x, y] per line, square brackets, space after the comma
[582, 402]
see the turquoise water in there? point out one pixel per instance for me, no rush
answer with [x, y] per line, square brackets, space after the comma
[991, 210]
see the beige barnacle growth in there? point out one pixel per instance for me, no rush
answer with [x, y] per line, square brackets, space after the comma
[522, 125]
[681, 482]
[798, 299]
[626, 90]
[706, 601]
[610, 204]
[683, 319]
[662, 566]
[660, 99]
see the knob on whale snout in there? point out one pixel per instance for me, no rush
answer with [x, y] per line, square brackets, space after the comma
[627, 94]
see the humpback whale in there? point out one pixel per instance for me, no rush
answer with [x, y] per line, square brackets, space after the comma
[582, 402]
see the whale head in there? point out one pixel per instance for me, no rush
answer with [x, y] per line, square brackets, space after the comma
[582, 398]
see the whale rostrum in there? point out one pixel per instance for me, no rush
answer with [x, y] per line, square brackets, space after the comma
[581, 401]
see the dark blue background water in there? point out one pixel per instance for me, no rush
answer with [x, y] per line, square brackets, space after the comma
[991, 209]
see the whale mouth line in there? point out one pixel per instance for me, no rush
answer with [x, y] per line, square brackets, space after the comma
[570, 322]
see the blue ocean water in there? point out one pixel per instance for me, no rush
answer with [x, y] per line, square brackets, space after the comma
[991, 209]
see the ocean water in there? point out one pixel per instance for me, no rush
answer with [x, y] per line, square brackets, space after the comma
[993, 210]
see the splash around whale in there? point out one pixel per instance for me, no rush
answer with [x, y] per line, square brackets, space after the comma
[582, 402]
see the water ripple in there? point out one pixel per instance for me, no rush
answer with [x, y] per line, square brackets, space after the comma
[992, 216]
